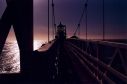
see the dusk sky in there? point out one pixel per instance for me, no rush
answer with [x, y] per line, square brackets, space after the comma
[69, 12]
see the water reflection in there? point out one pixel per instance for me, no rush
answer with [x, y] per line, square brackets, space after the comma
[10, 57]
[37, 44]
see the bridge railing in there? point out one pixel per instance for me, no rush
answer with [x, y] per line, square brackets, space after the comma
[108, 58]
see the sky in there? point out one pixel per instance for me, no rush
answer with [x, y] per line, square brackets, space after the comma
[69, 12]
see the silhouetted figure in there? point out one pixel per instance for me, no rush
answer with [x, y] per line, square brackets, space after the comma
[19, 14]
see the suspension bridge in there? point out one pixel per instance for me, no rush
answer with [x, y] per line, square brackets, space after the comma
[66, 60]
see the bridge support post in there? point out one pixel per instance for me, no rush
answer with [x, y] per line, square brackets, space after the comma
[19, 14]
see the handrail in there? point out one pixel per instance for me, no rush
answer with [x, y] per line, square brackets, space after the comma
[105, 66]
[91, 64]
[106, 43]
[88, 69]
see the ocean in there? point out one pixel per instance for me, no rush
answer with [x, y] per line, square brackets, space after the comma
[10, 57]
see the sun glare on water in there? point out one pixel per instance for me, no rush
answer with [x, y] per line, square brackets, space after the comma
[37, 44]
[10, 56]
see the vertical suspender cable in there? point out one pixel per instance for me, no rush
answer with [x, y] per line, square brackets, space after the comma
[103, 20]
[80, 20]
[53, 19]
[79, 30]
[86, 19]
[48, 20]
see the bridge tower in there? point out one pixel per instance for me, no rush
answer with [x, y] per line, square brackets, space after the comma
[61, 31]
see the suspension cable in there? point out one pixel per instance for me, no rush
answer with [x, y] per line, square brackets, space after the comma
[80, 20]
